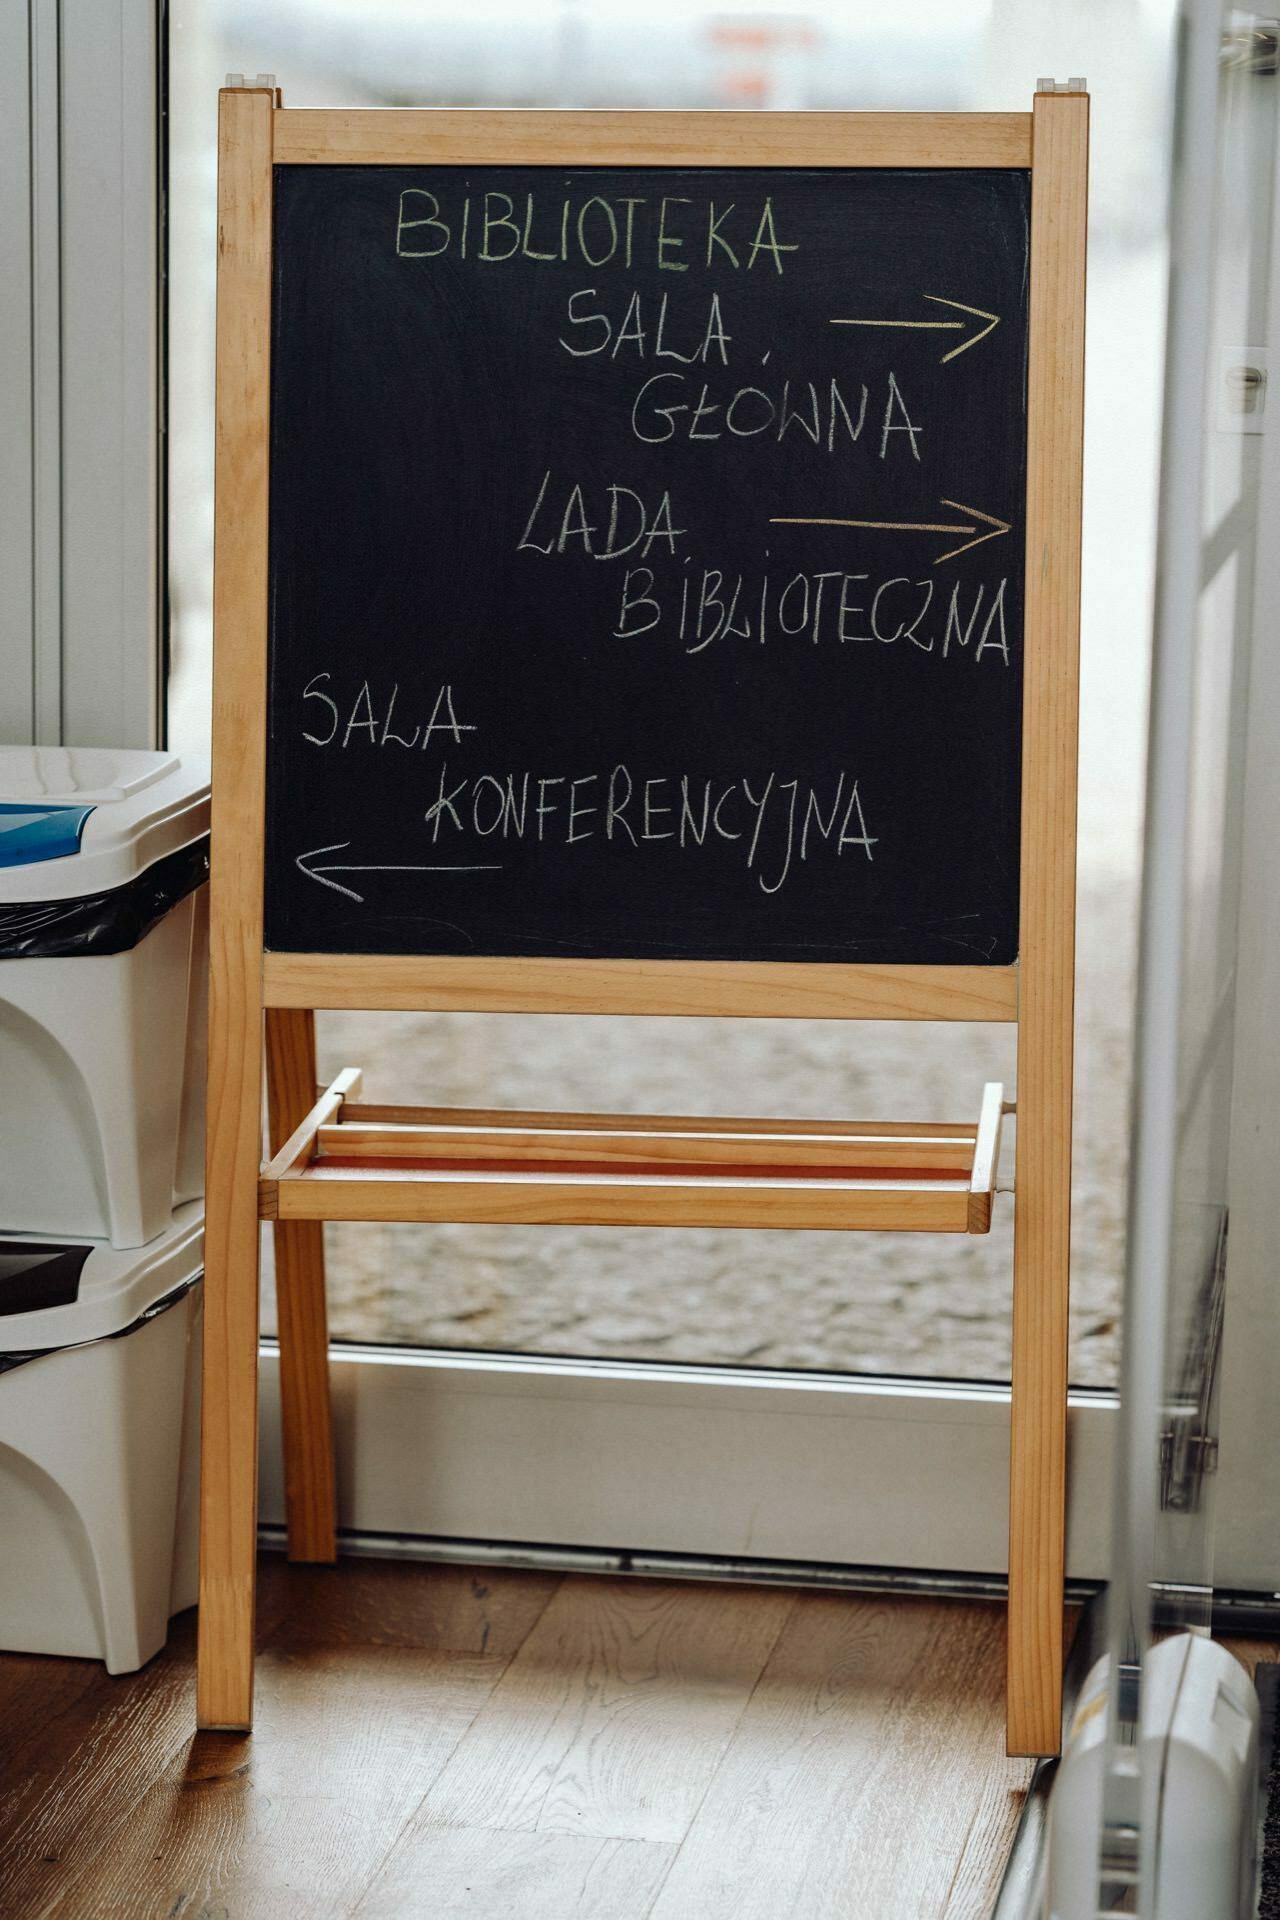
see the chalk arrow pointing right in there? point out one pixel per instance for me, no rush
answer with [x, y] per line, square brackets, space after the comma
[938, 325]
[997, 527]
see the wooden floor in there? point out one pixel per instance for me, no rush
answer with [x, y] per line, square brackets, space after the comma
[524, 1746]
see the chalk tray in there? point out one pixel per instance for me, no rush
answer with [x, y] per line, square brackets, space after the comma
[348, 1161]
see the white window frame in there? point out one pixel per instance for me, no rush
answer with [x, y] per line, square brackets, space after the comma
[1248, 1494]
[81, 458]
[694, 1461]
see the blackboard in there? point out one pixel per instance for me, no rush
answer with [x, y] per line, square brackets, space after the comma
[646, 562]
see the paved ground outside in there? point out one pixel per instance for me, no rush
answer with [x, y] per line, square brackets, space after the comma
[897, 1303]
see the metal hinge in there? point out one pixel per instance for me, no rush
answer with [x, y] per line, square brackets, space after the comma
[1188, 1444]
[1254, 50]
[1185, 1458]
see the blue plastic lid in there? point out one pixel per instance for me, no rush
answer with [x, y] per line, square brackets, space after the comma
[29, 834]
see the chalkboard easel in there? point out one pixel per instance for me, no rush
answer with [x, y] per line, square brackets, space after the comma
[360, 292]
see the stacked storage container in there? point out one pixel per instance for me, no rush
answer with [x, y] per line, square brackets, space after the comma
[103, 947]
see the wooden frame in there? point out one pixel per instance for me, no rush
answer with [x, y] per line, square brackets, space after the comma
[309, 136]
[744, 988]
[247, 984]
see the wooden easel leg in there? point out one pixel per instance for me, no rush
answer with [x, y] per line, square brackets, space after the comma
[1037, 1479]
[229, 1450]
[301, 1306]
[1046, 961]
[229, 1409]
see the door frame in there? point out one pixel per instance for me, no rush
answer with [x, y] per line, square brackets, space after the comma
[1247, 1502]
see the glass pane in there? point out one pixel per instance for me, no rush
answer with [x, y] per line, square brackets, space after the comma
[855, 1302]
[900, 1303]
[1178, 1261]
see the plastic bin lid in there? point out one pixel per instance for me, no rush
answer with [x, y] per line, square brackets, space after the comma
[81, 820]
[29, 834]
[55, 1293]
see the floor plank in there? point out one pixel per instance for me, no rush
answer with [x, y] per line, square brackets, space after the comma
[294, 1823]
[398, 1603]
[853, 1783]
[470, 1873]
[1250, 1652]
[466, 1744]
[614, 1714]
[996, 1807]
[371, 1673]
[35, 1691]
[64, 1799]
[81, 1747]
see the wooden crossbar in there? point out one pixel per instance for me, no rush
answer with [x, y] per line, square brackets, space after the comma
[726, 989]
[309, 136]
[640, 1150]
[361, 1111]
[475, 1198]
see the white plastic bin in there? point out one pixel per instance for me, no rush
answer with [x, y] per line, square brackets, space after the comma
[99, 1442]
[103, 960]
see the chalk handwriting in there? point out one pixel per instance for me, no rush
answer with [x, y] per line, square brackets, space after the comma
[826, 413]
[642, 331]
[674, 232]
[619, 527]
[370, 719]
[705, 607]
[776, 824]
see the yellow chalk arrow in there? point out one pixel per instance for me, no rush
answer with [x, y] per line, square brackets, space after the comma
[933, 326]
[909, 526]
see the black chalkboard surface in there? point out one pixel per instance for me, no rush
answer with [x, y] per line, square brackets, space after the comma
[646, 562]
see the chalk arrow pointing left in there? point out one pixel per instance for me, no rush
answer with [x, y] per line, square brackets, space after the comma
[320, 874]
[937, 324]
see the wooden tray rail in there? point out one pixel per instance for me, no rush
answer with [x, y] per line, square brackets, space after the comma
[350, 1162]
